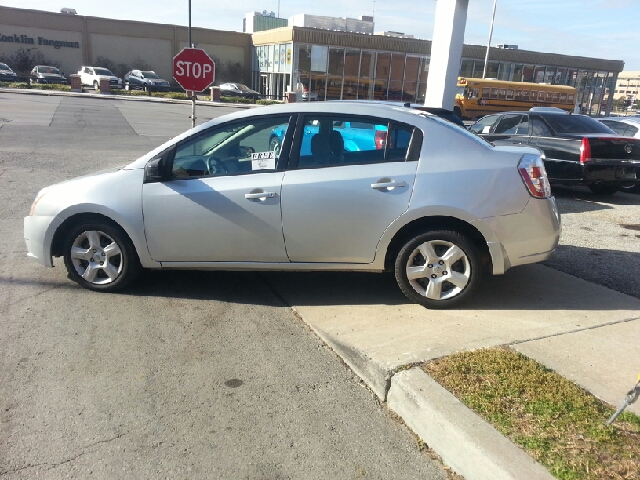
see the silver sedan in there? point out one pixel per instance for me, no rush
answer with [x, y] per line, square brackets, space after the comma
[308, 187]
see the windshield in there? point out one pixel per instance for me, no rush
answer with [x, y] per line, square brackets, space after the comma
[460, 90]
[4, 67]
[150, 75]
[103, 71]
[575, 124]
[48, 70]
[242, 87]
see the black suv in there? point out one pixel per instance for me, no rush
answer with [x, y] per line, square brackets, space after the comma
[47, 74]
[145, 80]
[578, 149]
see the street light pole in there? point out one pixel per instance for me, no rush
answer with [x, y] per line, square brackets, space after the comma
[193, 94]
[190, 44]
[486, 57]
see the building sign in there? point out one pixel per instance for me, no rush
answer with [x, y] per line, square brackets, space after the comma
[274, 58]
[41, 41]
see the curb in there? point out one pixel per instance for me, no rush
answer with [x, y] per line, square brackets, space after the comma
[466, 443]
[135, 98]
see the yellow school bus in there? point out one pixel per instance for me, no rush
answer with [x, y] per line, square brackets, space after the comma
[476, 97]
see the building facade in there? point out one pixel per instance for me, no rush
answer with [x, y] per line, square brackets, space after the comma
[628, 86]
[75, 40]
[331, 63]
[335, 65]
[258, 22]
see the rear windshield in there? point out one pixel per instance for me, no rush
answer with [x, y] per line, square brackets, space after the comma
[575, 124]
[4, 67]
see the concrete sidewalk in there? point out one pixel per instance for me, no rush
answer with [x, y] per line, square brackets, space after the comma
[583, 331]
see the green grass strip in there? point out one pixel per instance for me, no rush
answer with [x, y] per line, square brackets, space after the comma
[559, 424]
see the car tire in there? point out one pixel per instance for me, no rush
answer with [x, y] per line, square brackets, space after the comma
[126, 86]
[100, 256]
[96, 86]
[631, 188]
[438, 269]
[275, 145]
[598, 189]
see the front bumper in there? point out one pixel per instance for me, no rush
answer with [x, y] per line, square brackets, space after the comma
[38, 235]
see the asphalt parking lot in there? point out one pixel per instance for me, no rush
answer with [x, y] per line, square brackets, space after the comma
[191, 373]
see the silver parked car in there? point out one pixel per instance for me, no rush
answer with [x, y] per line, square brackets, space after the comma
[425, 198]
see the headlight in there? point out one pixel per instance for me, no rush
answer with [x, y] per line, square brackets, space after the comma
[35, 202]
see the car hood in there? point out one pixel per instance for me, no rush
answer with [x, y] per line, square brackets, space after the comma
[50, 75]
[110, 77]
[68, 183]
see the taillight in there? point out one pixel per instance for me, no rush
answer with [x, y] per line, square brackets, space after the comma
[585, 150]
[534, 175]
[381, 139]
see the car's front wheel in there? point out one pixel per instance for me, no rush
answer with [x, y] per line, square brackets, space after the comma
[100, 256]
[275, 145]
[599, 189]
[96, 86]
[438, 269]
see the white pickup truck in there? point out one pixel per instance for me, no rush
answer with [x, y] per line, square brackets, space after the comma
[91, 76]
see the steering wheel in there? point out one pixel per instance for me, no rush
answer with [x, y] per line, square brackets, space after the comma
[215, 166]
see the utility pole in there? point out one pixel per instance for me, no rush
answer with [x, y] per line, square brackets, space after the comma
[486, 57]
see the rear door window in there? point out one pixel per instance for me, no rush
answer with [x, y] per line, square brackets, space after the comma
[484, 125]
[332, 140]
[508, 125]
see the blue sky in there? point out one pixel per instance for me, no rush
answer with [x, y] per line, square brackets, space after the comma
[608, 29]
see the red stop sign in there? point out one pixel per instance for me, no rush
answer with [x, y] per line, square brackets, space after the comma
[193, 69]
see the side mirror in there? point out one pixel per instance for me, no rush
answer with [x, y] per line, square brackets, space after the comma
[153, 171]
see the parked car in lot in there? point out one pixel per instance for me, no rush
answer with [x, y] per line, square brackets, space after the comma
[91, 76]
[628, 127]
[6, 74]
[308, 95]
[437, 205]
[145, 80]
[46, 74]
[578, 149]
[238, 90]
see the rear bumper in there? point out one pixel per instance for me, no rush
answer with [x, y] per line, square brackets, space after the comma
[529, 236]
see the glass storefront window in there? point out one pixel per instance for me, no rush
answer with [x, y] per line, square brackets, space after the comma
[492, 70]
[336, 61]
[367, 73]
[466, 68]
[319, 58]
[549, 75]
[527, 73]
[383, 66]
[517, 73]
[478, 68]
[350, 88]
[504, 71]
[397, 68]
[351, 63]
[561, 76]
[538, 74]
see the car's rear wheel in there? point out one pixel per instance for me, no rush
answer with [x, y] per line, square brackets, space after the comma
[630, 188]
[126, 86]
[438, 269]
[100, 256]
[96, 86]
[599, 189]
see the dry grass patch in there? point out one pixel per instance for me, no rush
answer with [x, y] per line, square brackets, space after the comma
[558, 423]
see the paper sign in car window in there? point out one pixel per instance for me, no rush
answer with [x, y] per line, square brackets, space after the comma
[263, 161]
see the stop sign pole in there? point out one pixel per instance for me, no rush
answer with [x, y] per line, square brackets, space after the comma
[194, 70]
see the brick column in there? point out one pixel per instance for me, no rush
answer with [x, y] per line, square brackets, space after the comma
[290, 97]
[105, 87]
[215, 94]
[76, 84]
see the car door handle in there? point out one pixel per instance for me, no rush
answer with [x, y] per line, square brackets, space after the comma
[259, 196]
[389, 184]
